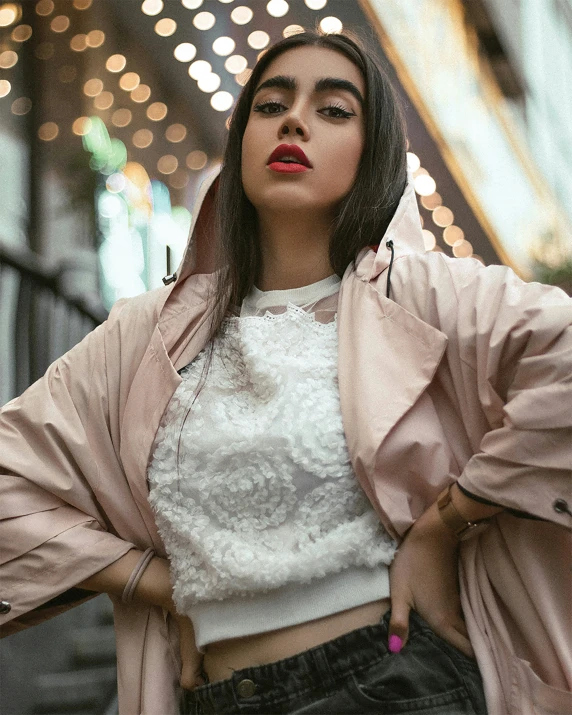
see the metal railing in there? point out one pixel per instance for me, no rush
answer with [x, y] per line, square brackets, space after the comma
[39, 320]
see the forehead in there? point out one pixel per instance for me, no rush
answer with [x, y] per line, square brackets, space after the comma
[307, 64]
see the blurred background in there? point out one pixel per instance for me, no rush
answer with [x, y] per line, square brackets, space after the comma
[111, 112]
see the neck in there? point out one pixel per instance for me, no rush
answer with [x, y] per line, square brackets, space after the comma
[295, 250]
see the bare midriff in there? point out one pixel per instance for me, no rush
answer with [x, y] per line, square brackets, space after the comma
[223, 657]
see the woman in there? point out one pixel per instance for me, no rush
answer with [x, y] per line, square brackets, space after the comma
[196, 422]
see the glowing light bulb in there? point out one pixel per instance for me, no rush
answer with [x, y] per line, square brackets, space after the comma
[209, 82]
[199, 68]
[277, 8]
[331, 25]
[235, 64]
[204, 20]
[221, 101]
[223, 46]
[258, 39]
[241, 15]
[185, 52]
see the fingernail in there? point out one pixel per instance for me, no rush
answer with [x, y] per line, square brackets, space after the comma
[395, 644]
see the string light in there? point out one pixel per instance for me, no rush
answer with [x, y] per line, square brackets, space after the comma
[5, 88]
[277, 8]
[235, 64]
[292, 30]
[204, 20]
[432, 201]
[241, 15]
[168, 164]
[185, 52]
[243, 77]
[45, 8]
[223, 46]
[176, 133]
[141, 93]
[20, 33]
[121, 117]
[258, 39]
[316, 4]
[129, 81]
[152, 7]
[192, 4]
[116, 63]
[21, 106]
[413, 161]
[142, 138]
[82, 126]
[9, 14]
[442, 216]
[429, 239]
[95, 38]
[93, 87]
[453, 234]
[462, 249]
[199, 68]
[104, 100]
[78, 43]
[196, 160]
[221, 101]
[157, 111]
[424, 184]
[208, 82]
[60, 23]
[8, 59]
[179, 179]
[331, 25]
[48, 131]
[166, 27]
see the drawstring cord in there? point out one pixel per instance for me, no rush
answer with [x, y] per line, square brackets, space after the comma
[389, 245]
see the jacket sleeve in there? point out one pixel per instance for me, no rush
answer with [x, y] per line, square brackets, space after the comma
[53, 533]
[516, 339]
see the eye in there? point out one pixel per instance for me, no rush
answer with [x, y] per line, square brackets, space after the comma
[263, 105]
[339, 111]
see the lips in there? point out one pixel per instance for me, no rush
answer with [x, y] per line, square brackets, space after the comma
[289, 150]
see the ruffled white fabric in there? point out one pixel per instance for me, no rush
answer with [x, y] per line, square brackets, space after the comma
[262, 492]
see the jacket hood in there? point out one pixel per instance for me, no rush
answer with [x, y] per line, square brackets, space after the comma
[199, 257]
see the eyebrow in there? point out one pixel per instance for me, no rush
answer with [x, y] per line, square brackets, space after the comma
[288, 82]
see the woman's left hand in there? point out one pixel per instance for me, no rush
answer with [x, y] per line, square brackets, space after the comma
[423, 576]
[191, 659]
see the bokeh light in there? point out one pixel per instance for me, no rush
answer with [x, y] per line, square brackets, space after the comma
[258, 39]
[166, 27]
[316, 4]
[45, 8]
[95, 38]
[152, 7]
[60, 23]
[8, 59]
[121, 117]
[429, 239]
[168, 164]
[241, 15]
[196, 160]
[82, 126]
[141, 93]
[292, 30]
[331, 25]
[21, 33]
[223, 46]
[129, 81]
[48, 131]
[462, 249]
[235, 64]
[5, 88]
[116, 63]
[432, 201]
[93, 87]
[21, 106]
[453, 234]
[277, 8]
[185, 52]
[209, 82]
[221, 101]
[157, 111]
[192, 4]
[104, 100]
[9, 14]
[424, 184]
[204, 20]
[176, 133]
[199, 68]
[78, 43]
[443, 216]
[142, 138]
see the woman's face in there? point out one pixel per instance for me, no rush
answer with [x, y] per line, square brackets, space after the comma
[326, 122]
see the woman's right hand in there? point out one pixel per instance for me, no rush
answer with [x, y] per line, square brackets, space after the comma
[191, 659]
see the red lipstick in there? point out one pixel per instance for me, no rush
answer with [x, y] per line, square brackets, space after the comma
[288, 159]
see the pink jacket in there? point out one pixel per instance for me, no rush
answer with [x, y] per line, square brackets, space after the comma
[465, 373]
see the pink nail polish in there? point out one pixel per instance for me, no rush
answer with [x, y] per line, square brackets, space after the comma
[395, 644]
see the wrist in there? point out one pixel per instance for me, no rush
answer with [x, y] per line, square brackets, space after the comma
[155, 586]
[430, 526]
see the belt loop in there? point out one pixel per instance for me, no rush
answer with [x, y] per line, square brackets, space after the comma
[323, 667]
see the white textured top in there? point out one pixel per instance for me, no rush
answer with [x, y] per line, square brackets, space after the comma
[262, 499]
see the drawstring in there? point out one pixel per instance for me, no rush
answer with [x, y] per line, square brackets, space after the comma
[389, 244]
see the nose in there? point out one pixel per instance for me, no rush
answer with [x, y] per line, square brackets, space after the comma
[293, 123]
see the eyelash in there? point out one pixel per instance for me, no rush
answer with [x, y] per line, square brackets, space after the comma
[345, 114]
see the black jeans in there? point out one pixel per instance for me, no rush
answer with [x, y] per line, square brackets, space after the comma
[353, 674]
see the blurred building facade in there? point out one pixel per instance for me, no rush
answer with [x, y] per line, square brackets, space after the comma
[111, 112]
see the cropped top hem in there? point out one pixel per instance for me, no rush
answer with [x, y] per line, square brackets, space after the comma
[289, 605]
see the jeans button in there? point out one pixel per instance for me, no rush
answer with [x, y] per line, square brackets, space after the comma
[246, 688]
[5, 607]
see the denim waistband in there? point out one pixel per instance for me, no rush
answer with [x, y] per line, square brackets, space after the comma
[317, 667]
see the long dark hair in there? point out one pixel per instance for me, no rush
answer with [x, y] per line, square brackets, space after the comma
[365, 212]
